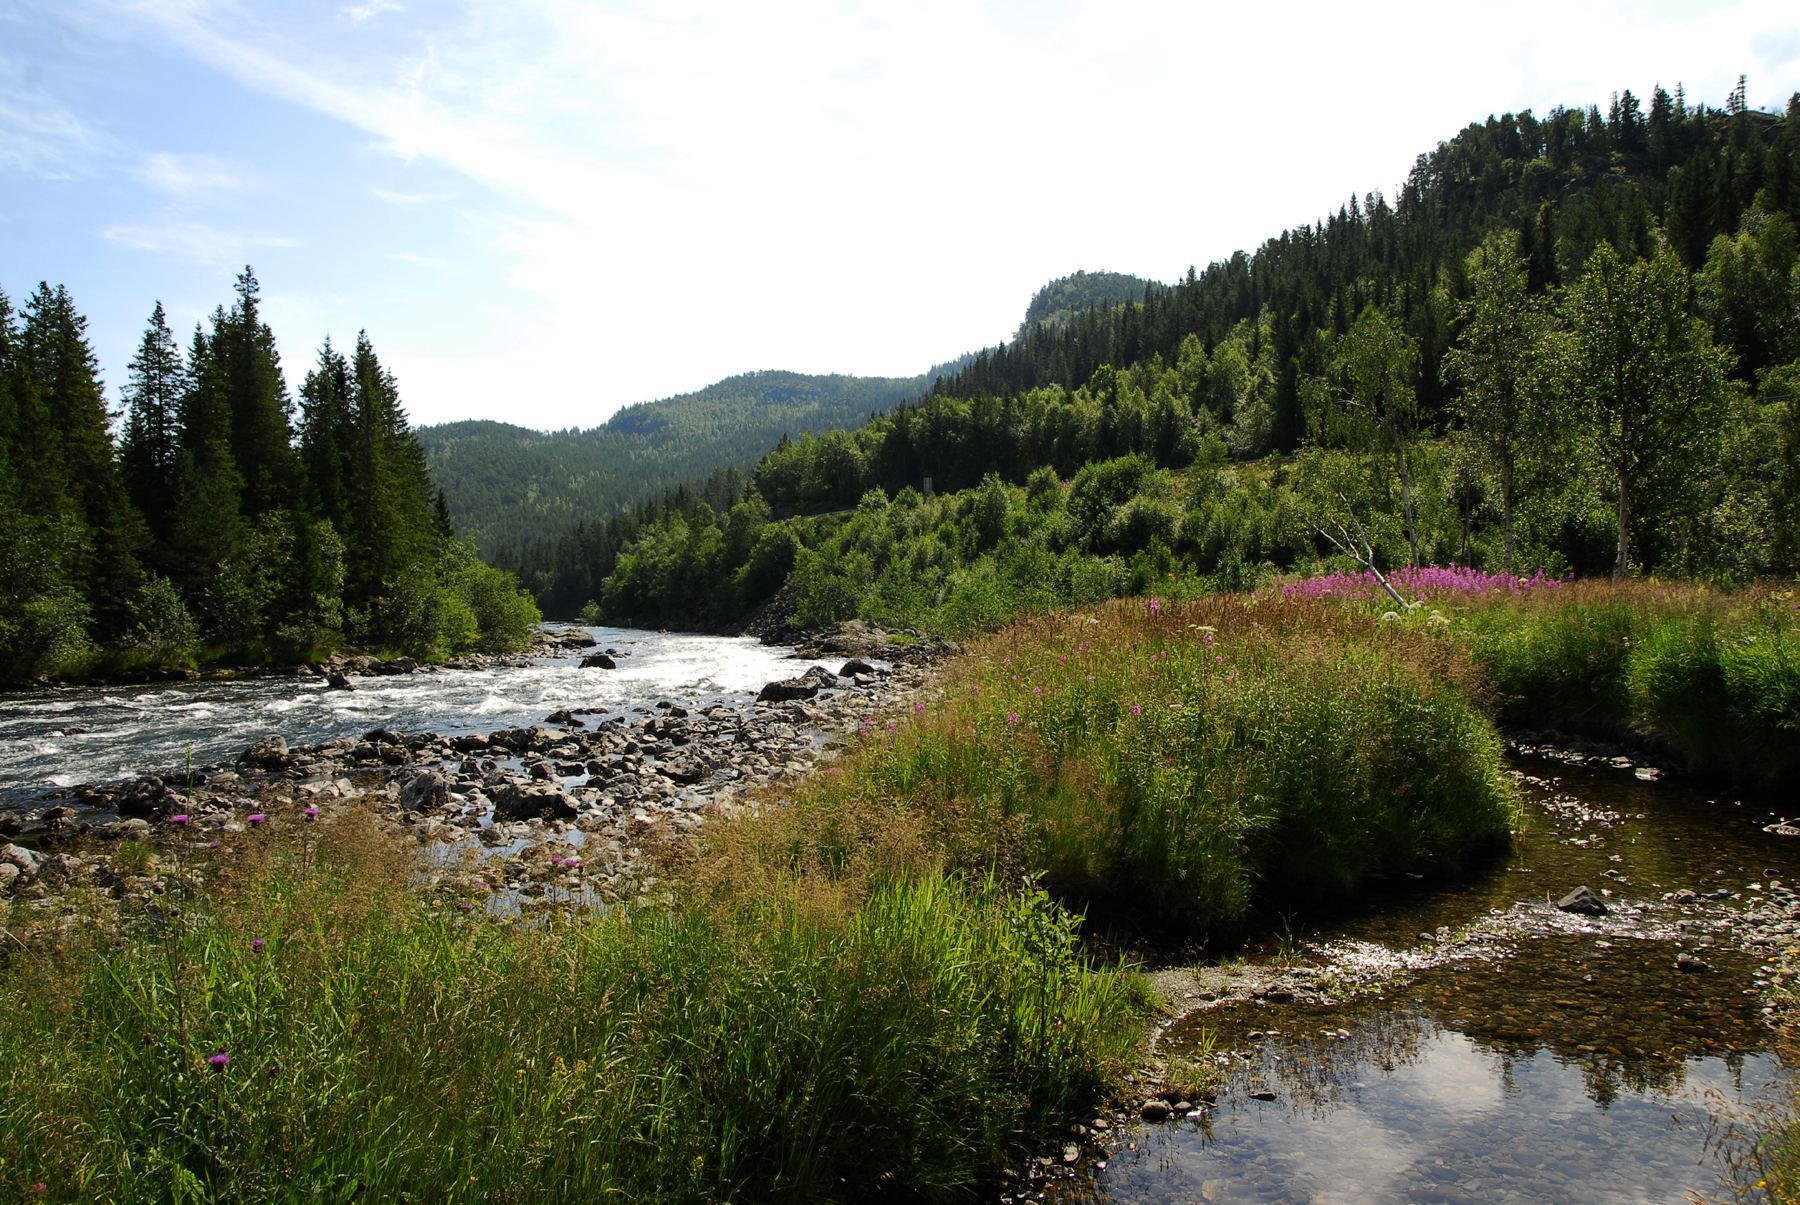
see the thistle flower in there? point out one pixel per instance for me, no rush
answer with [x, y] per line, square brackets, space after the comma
[918, 709]
[256, 945]
[310, 813]
[218, 1061]
[256, 818]
[1137, 709]
[181, 819]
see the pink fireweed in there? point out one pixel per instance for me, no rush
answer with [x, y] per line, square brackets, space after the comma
[1430, 581]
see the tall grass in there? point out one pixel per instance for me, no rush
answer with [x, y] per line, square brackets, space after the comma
[1713, 677]
[1189, 758]
[828, 1038]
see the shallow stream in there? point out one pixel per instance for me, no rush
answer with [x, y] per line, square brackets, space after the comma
[1550, 1058]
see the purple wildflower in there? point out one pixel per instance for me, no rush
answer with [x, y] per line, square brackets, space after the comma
[1156, 606]
[181, 819]
[256, 945]
[918, 709]
[256, 818]
[1037, 690]
[891, 725]
[218, 1061]
[1137, 709]
[1012, 718]
[310, 813]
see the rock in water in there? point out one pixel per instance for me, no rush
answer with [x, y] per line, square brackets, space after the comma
[424, 793]
[598, 661]
[855, 666]
[1156, 1110]
[515, 802]
[338, 682]
[1583, 901]
[1690, 964]
[270, 753]
[790, 688]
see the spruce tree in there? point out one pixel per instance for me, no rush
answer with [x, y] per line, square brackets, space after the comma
[73, 402]
[153, 422]
[255, 395]
[328, 436]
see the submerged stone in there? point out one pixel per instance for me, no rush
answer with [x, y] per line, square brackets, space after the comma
[1582, 900]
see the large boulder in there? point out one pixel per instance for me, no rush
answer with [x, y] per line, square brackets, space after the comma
[788, 689]
[271, 753]
[516, 802]
[141, 797]
[425, 793]
[855, 666]
[399, 665]
[598, 661]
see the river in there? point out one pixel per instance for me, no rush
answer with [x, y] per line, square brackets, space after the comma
[1564, 1064]
[78, 735]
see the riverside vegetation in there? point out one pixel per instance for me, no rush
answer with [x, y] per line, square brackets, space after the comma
[213, 529]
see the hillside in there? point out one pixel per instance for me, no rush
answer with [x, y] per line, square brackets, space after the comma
[1432, 368]
[1068, 296]
[509, 485]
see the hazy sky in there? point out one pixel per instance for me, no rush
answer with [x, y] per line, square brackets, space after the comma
[543, 211]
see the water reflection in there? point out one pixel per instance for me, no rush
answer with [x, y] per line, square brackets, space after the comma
[1567, 1067]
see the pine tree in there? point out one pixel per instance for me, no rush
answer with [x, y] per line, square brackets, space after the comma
[389, 486]
[255, 395]
[153, 422]
[328, 436]
[73, 402]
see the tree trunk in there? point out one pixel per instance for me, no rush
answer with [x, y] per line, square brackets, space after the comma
[1623, 565]
[1506, 505]
[1412, 532]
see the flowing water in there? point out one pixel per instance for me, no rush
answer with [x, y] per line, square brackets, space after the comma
[1569, 1064]
[61, 738]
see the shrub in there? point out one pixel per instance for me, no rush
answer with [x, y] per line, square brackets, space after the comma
[1180, 758]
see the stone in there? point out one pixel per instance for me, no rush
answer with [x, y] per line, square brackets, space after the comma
[425, 792]
[141, 797]
[337, 681]
[1070, 1152]
[270, 753]
[787, 689]
[855, 666]
[399, 665]
[8, 875]
[19, 856]
[1155, 1110]
[470, 743]
[516, 802]
[1582, 901]
[1691, 964]
[1262, 1094]
[598, 661]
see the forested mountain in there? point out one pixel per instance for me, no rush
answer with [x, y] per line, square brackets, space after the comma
[508, 486]
[217, 526]
[1567, 343]
[1068, 296]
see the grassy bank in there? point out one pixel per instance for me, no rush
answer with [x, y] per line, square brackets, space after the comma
[1711, 677]
[1188, 759]
[296, 1025]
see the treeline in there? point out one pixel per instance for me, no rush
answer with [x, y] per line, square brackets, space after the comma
[215, 525]
[1523, 364]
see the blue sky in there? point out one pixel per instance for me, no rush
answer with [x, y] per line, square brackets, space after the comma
[543, 211]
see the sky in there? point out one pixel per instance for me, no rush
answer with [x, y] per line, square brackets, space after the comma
[542, 211]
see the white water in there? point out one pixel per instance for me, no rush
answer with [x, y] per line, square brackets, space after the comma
[134, 730]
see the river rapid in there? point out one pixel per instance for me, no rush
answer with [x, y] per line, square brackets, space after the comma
[81, 735]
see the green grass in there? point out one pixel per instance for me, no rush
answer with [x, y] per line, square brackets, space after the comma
[1713, 678]
[829, 1037]
[1189, 759]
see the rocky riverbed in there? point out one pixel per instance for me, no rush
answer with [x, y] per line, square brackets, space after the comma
[566, 810]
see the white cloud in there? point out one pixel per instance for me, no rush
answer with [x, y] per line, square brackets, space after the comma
[410, 198]
[873, 186]
[422, 261]
[38, 134]
[188, 175]
[358, 13]
[194, 241]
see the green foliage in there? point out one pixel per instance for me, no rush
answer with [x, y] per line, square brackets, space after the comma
[813, 1039]
[204, 527]
[1716, 678]
[1186, 758]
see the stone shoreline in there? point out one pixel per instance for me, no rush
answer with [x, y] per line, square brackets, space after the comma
[569, 809]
